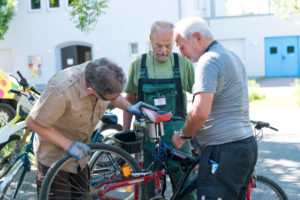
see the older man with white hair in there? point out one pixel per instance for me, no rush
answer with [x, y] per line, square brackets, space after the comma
[218, 121]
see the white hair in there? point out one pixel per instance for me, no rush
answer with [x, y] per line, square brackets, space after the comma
[186, 27]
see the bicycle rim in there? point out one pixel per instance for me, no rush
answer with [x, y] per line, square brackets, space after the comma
[99, 173]
[266, 189]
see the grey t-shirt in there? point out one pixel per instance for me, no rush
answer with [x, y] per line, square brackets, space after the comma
[221, 72]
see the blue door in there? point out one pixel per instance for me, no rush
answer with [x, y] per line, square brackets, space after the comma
[282, 56]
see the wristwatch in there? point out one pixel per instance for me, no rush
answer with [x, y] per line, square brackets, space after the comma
[181, 135]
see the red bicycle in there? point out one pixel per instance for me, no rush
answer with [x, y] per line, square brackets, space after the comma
[115, 174]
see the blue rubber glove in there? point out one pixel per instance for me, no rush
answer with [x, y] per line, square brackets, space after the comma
[79, 150]
[136, 108]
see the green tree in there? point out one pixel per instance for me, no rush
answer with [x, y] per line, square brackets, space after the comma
[7, 8]
[85, 13]
[286, 8]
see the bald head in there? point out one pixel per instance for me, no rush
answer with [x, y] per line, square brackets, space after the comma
[161, 38]
[161, 26]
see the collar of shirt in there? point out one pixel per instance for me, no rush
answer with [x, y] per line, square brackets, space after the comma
[83, 87]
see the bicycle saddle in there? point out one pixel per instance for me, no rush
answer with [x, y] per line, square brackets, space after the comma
[157, 116]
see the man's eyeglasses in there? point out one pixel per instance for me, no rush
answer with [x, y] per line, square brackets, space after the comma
[106, 99]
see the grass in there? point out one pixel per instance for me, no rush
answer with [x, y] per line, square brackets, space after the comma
[260, 100]
[276, 102]
[254, 94]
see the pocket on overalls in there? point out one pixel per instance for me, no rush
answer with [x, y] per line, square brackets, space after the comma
[163, 96]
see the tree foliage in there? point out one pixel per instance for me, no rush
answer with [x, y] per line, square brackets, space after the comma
[85, 13]
[286, 8]
[7, 8]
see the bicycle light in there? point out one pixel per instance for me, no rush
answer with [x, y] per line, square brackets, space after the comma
[126, 170]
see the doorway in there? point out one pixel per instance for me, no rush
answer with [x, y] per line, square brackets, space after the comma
[282, 56]
[75, 55]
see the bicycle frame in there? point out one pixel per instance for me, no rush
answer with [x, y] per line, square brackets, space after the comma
[187, 162]
[24, 105]
[22, 160]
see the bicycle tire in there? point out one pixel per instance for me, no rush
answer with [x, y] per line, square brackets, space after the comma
[7, 113]
[8, 153]
[9, 190]
[266, 189]
[96, 172]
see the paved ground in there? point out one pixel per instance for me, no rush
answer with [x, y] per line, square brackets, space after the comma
[279, 152]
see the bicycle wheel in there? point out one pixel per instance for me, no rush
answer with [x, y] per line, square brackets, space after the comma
[99, 173]
[266, 189]
[7, 113]
[9, 185]
[8, 153]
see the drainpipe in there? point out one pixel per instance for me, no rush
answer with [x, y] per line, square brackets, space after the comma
[212, 9]
[179, 10]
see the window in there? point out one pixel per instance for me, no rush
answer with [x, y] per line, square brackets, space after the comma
[53, 3]
[69, 3]
[273, 50]
[134, 48]
[242, 7]
[35, 4]
[290, 49]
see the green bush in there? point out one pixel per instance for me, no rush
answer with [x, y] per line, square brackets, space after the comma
[254, 94]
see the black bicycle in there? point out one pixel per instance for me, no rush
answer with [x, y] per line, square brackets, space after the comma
[261, 186]
[116, 175]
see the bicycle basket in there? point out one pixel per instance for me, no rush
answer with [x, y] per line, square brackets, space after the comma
[128, 141]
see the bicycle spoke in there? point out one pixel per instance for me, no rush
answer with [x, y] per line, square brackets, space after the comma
[105, 172]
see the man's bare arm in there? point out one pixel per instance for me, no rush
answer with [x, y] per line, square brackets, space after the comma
[196, 118]
[127, 117]
[49, 133]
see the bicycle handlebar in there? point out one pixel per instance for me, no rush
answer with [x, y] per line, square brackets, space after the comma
[15, 91]
[23, 82]
[175, 118]
[34, 89]
[259, 125]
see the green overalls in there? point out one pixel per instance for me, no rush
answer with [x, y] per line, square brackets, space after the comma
[165, 94]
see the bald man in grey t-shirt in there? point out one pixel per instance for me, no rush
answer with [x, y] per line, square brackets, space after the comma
[222, 73]
[218, 121]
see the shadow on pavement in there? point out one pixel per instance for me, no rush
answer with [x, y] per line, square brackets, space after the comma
[280, 162]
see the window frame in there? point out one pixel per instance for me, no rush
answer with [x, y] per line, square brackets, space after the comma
[68, 7]
[55, 8]
[130, 48]
[34, 10]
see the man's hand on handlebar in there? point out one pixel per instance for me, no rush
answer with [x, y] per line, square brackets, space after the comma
[136, 108]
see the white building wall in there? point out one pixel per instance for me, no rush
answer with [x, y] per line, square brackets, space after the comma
[252, 30]
[44, 32]
[41, 32]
